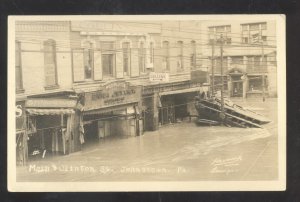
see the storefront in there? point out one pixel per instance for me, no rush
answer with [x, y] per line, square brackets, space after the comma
[53, 127]
[241, 84]
[170, 102]
[177, 106]
[111, 112]
[21, 134]
[255, 85]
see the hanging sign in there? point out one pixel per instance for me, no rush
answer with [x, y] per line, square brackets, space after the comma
[20, 118]
[158, 77]
[114, 94]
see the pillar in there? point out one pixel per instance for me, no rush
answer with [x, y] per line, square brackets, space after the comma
[151, 112]
[245, 85]
[156, 100]
[229, 84]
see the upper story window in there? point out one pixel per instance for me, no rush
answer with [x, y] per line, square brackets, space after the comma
[256, 64]
[18, 58]
[108, 58]
[193, 54]
[254, 33]
[50, 63]
[88, 57]
[166, 55]
[216, 31]
[180, 61]
[151, 52]
[142, 57]
[217, 64]
[126, 57]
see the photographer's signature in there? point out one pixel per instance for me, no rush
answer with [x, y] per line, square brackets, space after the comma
[227, 166]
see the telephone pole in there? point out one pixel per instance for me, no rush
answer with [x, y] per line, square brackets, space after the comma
[222, 115]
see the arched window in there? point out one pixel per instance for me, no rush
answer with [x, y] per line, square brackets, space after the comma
[126, 57]
[180, 61]
[193, 54]
[18, 58]
[88, 57]
[142, 54]
[166, 55]
[151, 52]
[108, 58]
[50, 63]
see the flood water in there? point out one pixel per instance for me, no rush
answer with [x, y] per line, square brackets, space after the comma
[181, 151]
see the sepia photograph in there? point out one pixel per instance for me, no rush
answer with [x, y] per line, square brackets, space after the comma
[146, 103]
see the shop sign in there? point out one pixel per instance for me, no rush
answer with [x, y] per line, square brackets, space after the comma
[199, 76]
[159, 77]
[114, 94]
[20, 115]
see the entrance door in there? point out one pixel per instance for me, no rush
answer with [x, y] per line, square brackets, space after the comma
[107, 129]
[237, 90]
[101, 129]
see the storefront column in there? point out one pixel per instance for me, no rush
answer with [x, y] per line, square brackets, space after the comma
[155, 111]
[229, 83]
[245, 85]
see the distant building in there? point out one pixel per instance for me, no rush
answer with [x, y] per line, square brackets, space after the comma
[245, 70]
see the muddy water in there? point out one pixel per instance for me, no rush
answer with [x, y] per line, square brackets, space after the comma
[180, 151]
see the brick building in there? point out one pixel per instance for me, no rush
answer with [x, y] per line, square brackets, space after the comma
[78, 82]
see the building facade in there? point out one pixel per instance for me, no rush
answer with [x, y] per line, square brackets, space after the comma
[78, 82]
[249, 57]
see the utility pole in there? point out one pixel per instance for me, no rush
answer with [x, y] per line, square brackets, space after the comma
[212, 67]
[263, 68]
[222, 115]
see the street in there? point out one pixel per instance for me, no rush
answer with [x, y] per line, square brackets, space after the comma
[176, 152]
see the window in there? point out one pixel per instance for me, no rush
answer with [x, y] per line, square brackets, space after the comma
[180, 61]
[217, 64]
[216, 31]
[19, 80]
[142, 57]
[166, 57]
[263, 26]
[108, 58]
[237, 61]
[126, 57]
[244, 27]
[151, 52]
[88, 55]
[254, 33]
[254, 26]
[193, 54]
[50, 63]
[256, 61]
[245, 39]
[250, 64]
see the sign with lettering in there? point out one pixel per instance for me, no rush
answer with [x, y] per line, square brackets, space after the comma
[159, 77]
[20, 116]
[111, 95]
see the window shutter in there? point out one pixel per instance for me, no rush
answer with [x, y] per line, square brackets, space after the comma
[135, 71]
[119, 64]
[78, 65]
[97, 65]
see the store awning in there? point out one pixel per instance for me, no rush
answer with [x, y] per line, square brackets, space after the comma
[188, 90]
[36, 111]
[50, 103]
